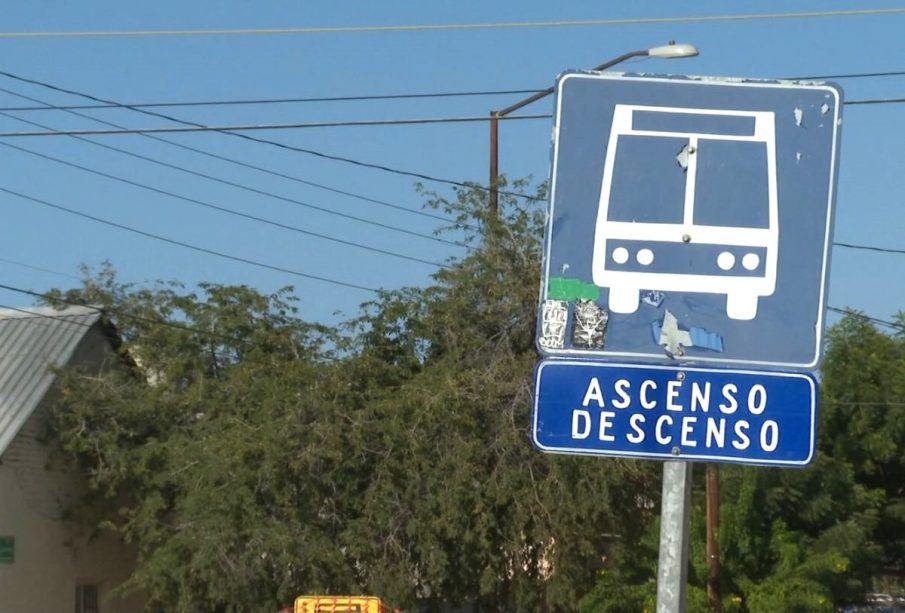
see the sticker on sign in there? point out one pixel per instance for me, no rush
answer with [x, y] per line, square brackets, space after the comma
[665, 412]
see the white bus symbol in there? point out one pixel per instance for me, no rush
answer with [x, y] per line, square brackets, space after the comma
[688, 203]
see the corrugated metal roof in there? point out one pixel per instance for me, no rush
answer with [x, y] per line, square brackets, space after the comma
[33, 341]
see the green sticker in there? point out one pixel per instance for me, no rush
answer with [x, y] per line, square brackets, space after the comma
[566, 288]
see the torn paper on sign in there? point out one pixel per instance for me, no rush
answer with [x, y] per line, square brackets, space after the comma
[589, 327]
[674, 340]
[682, 156]
[554, 315]
[652, 297]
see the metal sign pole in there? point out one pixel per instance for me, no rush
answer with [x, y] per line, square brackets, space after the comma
[672, 570]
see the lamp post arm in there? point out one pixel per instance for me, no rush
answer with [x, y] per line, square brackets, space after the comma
[546, 92]
[672, 50]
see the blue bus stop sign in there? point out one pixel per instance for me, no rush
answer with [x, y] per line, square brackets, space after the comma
[690, 219]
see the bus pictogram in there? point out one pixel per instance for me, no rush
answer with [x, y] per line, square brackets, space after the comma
[673, 214]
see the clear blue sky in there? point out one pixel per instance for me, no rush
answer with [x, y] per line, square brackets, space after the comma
[141, 69]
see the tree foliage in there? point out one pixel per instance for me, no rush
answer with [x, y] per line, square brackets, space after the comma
[251, 457]
[807, 539]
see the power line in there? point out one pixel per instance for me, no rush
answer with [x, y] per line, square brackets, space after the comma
[35, 315]
[876, 101]
[209, 154]
[455, 26]
[108, 311]
[363, 98]
[257, 101]
[237, 128]
[39, 269]
[875, 320]
[869, 248]
[186, 245]
[196, 173]
[231, 184]
[850, 75]
[271, 142]
[221, 208]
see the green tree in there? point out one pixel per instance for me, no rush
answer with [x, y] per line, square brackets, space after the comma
[251, 457]
[802, 539]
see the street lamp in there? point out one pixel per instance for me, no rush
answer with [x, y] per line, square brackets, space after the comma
[670, 51]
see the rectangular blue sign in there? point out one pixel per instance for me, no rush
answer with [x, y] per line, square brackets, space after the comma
[680, 413]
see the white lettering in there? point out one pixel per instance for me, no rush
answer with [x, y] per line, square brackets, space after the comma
[661, 438]
[594, 393]
[622, 386]
[729, 391]
[647, 404]
[757, 399]
[773, 442]
[699, 399]
[635, 422]
[672, 392]
[605, 423]
[716, 432]
[741, 427]
[687, 430]
[585, 430]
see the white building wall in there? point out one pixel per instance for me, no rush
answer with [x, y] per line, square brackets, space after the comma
[52, 556]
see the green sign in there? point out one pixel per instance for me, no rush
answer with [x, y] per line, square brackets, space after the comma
[7, 549]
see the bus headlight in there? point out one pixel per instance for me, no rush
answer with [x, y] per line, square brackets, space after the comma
[751, 261]
[645, 257]
[726, 260]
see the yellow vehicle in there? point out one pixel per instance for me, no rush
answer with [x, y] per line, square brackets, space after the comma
[340, 604]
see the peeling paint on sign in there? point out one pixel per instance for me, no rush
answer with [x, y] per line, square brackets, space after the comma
[675, 340]
[682, 156]
[653, 297]
[799, 116]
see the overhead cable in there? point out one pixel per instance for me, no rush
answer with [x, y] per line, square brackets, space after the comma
[184, 244]
[108, 311]
[257, 101]
[48, 106]
[237, 129]
[882, 322]
[222, 209]
[40, 269]
[501, 25]
[272, 142]
[367, 98]
[241, 186]
[869, 248]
